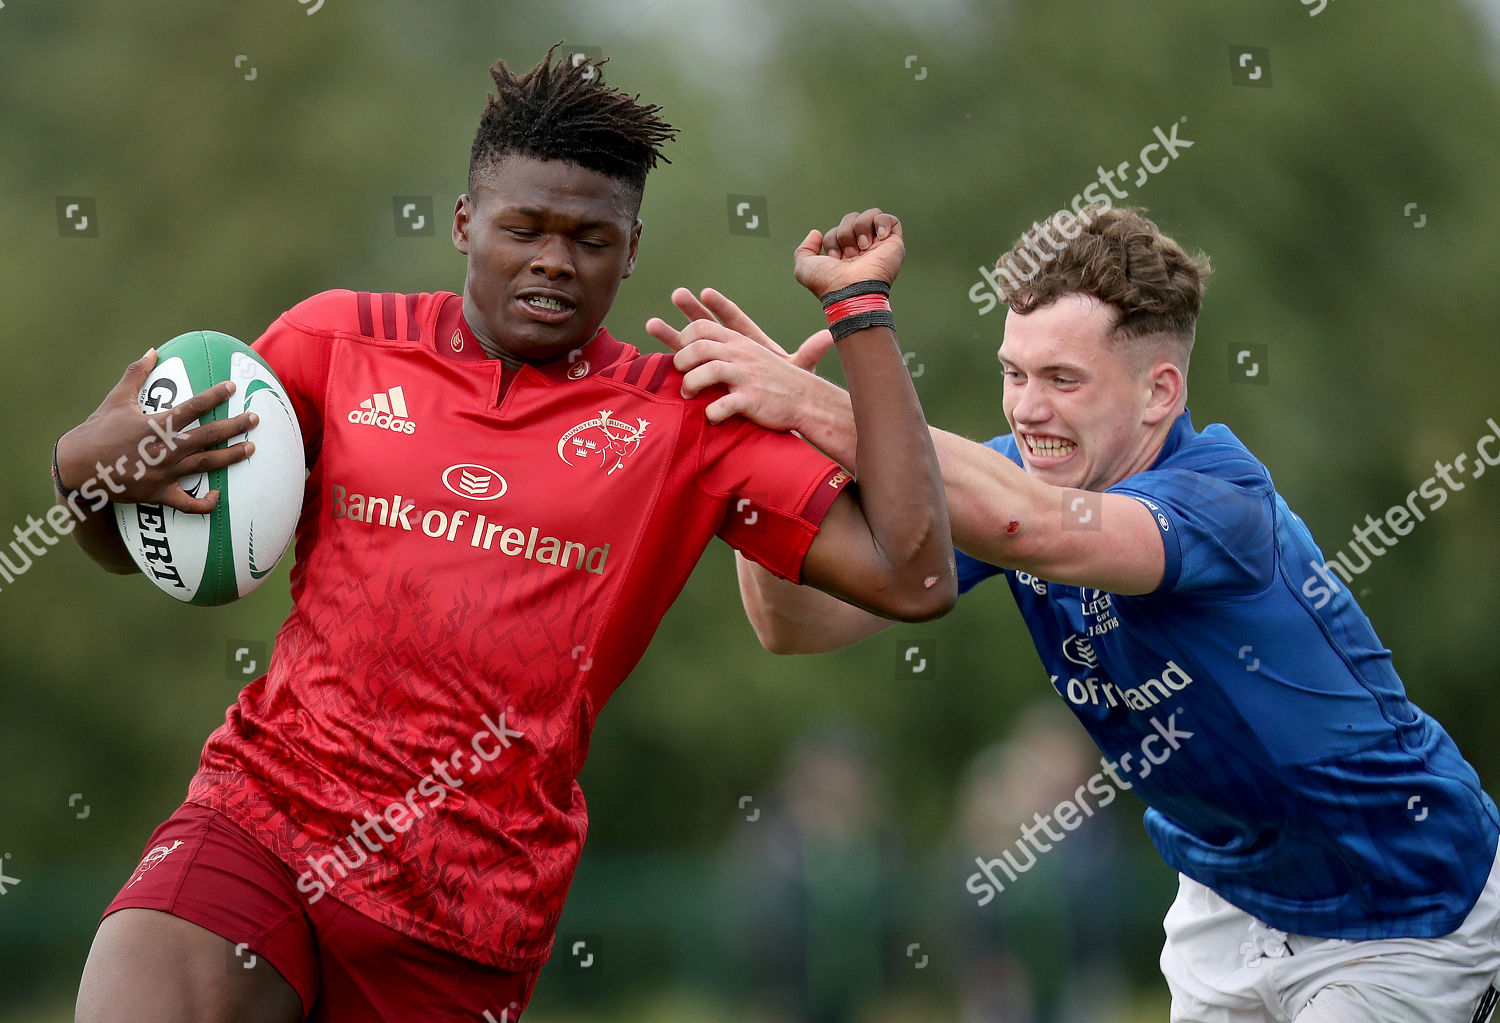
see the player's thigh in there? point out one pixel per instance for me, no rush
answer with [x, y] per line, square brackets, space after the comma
[1346, 1003]
[146, 965]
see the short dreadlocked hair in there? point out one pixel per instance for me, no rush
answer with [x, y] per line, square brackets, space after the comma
[565, 112]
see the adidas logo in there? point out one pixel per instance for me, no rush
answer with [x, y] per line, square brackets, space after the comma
[386, 410]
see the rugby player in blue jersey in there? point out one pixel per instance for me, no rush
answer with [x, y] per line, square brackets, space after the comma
[1337, 854]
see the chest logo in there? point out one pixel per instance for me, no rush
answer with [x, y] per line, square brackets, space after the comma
[476, 482]
[611, 439]
[1080, 651]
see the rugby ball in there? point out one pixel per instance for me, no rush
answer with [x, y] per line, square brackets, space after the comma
[219, 557]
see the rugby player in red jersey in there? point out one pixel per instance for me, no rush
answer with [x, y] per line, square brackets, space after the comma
[503, 500]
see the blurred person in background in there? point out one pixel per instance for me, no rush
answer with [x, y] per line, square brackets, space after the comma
[816, 881]
[1046, 949]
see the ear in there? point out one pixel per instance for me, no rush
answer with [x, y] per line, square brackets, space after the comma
[635, 246]
[1168, 388]
[463, 211]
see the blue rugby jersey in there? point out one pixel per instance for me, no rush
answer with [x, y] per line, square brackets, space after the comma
[1282, 764]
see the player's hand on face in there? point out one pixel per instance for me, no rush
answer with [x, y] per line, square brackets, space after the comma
[119, 436]
[715, 306]
[863, 247]
[764, 386]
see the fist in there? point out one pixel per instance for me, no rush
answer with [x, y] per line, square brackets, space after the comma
[863, 247]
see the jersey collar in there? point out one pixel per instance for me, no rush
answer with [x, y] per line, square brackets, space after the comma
[1181, 432]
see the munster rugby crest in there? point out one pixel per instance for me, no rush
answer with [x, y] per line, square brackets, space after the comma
[611, 440]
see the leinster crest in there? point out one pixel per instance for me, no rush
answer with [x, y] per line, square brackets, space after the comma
[612, 440]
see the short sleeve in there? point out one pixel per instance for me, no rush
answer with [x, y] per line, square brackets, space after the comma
[296, 347]
[776, 489]
[1217, 529]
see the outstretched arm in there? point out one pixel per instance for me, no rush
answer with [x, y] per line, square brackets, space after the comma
[999, 513]
[883, 545]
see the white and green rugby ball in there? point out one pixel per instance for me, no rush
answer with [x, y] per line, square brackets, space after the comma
[219, 557]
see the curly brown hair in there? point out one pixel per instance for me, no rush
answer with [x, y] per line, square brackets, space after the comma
[1116, 255]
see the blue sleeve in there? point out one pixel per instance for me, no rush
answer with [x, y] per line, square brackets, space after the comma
[972, 571]
[1217, 525]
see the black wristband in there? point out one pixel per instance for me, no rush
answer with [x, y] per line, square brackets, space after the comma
[856, 289]
[841, 329]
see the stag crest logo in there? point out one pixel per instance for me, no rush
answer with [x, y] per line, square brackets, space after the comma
[611, 439]
[151, 859]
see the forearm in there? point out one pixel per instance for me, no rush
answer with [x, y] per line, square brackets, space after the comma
[827, 421]
[793, 619]
[997, 511]
[981, 485]
[900, 485]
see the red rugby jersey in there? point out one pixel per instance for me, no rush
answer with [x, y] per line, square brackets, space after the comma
[483, 556]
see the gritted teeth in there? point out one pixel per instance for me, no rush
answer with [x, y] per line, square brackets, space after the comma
[547, 302]
[1049, 447]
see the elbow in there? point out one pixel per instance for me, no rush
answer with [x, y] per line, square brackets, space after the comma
[924, 602]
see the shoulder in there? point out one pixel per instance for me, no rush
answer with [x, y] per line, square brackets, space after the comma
[381, 316]
[652, 374]
[1216, 452]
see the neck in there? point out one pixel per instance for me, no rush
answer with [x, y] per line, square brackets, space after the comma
[494, 350]
[489, 345]
[1151, 448]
